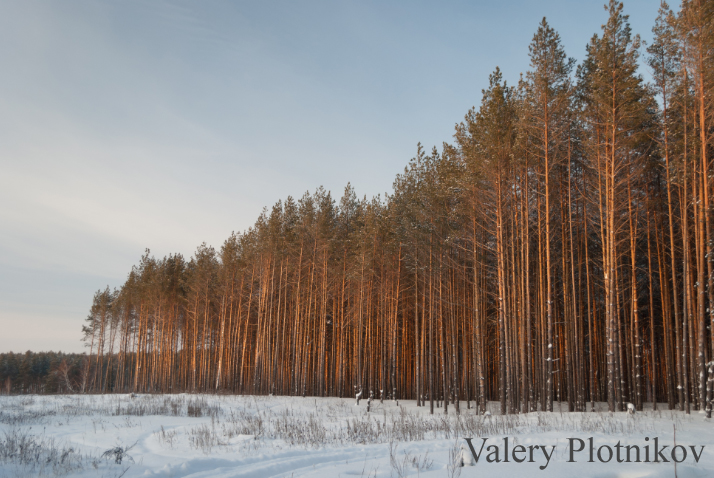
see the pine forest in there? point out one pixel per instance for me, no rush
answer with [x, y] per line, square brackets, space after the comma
[558, 251]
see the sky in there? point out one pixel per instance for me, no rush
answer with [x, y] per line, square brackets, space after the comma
[133, 125]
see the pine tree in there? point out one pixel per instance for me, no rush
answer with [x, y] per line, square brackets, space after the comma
[616, 107]
[547, 124]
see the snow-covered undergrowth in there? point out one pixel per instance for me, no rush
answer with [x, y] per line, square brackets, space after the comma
[245, 436]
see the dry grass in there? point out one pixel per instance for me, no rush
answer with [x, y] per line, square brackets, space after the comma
[32, 455]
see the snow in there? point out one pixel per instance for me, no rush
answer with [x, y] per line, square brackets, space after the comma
[249, 436]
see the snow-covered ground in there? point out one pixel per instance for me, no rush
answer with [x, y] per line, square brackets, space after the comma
[245, 436]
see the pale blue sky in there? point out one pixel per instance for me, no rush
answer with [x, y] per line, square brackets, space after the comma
[135, 124]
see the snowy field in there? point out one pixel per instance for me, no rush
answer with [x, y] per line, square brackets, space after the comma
[244, 436]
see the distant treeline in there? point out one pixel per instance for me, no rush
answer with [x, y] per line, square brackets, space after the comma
[562, 248]
[42, 372]
[57, 372]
